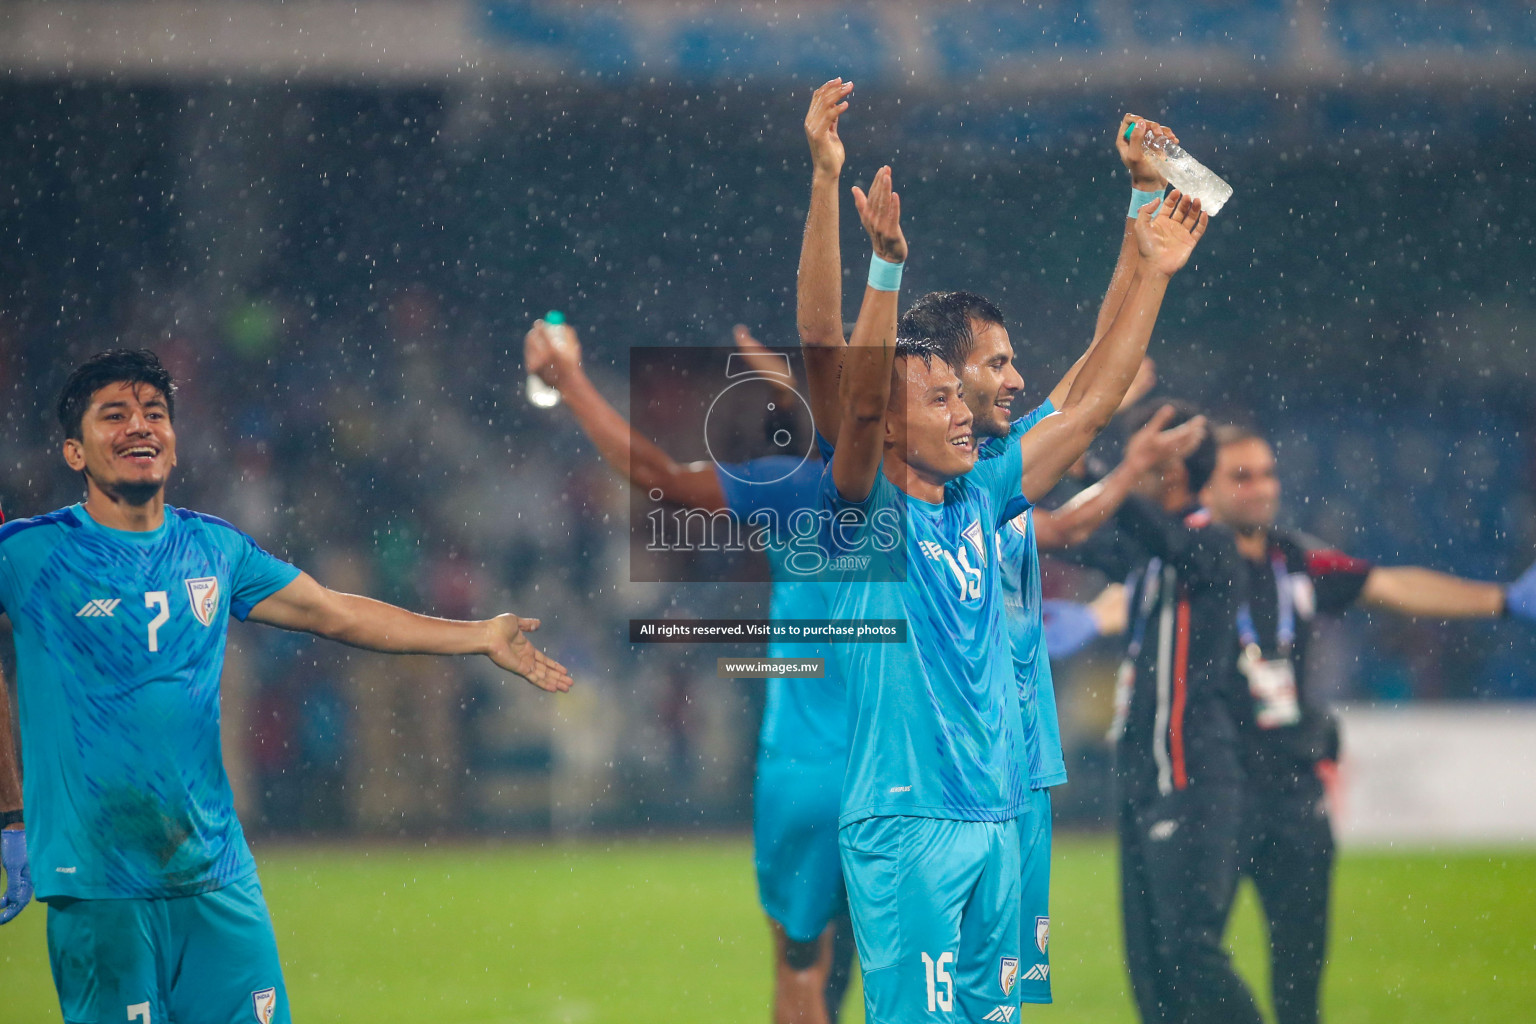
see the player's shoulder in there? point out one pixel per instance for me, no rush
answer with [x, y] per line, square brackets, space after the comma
[63, 518]
[219, 528]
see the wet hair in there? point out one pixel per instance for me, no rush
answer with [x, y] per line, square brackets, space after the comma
[916, 348]
[1198, 464]
[944, 319]
[119, 366]
[1232, 433]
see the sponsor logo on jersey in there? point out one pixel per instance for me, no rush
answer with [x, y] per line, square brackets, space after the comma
[1042, 933]
[264, 1002]
[1002, 1013]
[66, 871]
[931, 549]
[1163, 829]
[102, 607]
[1008, 973]
[1039, 972]
[203, 592]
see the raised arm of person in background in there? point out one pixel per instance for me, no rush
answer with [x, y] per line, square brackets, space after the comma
[865, 387]
[307, 607]
[1075, 522]
[1164, 244]
[1071, 626]
[1146, 183]
[819, 284]
[1412, 590]
[557, 362]
[13, 840]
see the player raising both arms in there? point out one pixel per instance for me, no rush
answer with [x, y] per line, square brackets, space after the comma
[937, 777]
[968, 332]
[120, 607]
[803, 745]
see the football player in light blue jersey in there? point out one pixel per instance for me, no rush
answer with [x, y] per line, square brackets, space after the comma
[969, 333]
[803, 745]
[120, 607]
[938, 774]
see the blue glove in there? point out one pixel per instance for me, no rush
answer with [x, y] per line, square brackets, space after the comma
[1069, 627]
[18, 877]
[1520, 597]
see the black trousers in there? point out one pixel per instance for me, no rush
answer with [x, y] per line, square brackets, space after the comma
[1180, 855]
[1288, 852]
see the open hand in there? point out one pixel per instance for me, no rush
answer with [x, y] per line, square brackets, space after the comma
[1152, 445]
[1133, 151]
[1165, 239]
[509, 649]
[554, 356]
[827, 104]
[880, 213]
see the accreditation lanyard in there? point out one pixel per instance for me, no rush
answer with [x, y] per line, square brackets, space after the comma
[1285, 599]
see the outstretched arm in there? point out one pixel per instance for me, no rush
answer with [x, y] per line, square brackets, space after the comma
[557, 361]
[1164, 245]
[1076, 521]
[819, 284]
[305, 606]
[1412, 590]
[1146, 179]
[866, 379]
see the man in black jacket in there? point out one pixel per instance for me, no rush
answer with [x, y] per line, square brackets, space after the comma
[1177, 766]
[1287, 737]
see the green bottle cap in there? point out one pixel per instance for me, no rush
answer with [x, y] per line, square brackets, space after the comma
[554, 317]
[1128, 130]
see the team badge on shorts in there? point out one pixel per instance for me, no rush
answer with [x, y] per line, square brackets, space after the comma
[204, 595]
[1042, 933]
[1008, 973]
[265, 1004]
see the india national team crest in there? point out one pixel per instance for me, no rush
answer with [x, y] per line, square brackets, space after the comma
[1042, 933]
[265, 1000]
[204, 594]
[1008, 973]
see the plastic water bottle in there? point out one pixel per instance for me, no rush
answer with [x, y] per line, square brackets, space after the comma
[1187, 174]
[541, 395]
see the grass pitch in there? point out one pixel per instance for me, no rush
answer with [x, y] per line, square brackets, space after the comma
[669, 931]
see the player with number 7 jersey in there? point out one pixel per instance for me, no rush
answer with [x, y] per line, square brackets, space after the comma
[120, 607]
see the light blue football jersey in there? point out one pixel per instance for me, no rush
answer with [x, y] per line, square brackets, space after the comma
[120, 647]
[935, 723]
[803, 718]
[1022, 601]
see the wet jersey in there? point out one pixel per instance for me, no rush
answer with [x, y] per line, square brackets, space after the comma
[803, 718]
[935, 726]
[120, 647]
[1019, 561]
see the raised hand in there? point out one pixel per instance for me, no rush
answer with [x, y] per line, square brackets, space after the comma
[18, 877]
[1152, 445]
[509, 649]
[827, 104]
[880, 213]
[1133, 151]
[552, 355]
[760, 358]
[1166, 237]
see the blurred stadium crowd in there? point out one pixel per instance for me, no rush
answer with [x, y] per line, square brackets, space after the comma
[341, 278]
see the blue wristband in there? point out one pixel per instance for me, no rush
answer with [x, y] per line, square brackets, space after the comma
[883, 276]
[1140, 199]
